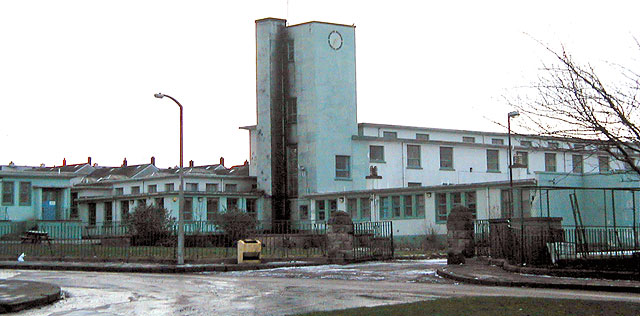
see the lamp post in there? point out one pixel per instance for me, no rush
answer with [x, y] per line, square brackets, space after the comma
[180, 251]
[511, 115]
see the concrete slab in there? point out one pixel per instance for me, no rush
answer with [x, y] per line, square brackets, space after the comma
[16, 295]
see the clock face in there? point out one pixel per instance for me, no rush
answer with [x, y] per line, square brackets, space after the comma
[335, 40]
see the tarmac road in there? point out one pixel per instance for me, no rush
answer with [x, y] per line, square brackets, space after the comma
[282, 291]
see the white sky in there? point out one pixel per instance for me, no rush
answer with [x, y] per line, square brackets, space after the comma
[77, 78]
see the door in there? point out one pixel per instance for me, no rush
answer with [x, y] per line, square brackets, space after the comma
[49, 204]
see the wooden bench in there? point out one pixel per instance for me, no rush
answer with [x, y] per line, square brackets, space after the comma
[35, 237]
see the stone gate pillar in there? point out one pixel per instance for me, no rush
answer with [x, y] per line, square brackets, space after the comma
[460, 243]
[340, 237]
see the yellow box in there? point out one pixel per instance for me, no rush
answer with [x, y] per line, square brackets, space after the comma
[249, 251]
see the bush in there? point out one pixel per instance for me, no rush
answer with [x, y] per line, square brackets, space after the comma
[236, 224]
[150, 225]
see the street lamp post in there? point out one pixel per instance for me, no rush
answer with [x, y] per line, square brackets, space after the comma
[511, 115]
[180, 251]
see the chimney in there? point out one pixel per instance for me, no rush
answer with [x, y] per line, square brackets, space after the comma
[190, 163]
[246, 162]
[153, 160]
[64, 162]
[89, 160]
[124, 162]
[222, 161]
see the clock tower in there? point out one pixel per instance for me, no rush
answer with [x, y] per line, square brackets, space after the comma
[306, 105]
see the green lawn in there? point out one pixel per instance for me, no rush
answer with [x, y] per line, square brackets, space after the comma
[495, 306]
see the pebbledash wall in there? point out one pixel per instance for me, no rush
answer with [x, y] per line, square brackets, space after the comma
[311, 157]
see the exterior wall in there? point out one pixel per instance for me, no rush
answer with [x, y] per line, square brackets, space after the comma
[33, 211]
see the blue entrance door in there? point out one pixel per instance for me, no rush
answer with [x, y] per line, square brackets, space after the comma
[49, 204]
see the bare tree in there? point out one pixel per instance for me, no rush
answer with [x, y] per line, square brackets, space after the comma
[572, 101]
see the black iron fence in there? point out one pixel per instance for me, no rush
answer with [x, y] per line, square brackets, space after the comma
[548, 245]
[116, 241]
[373, 240]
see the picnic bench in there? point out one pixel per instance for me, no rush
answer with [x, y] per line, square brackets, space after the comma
[35, 237]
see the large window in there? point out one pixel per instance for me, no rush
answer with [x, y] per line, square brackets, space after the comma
[212, 187]
[395, 205]
[169, 187]
[92, 214]
[304, 212]
[522, 157]
[119, 191]
[252, 207]
[108, 213]
[365, 208]
[493, 160]
[343, 167]
[352, 207]
[408, 205]
[577, 163]
[212, 208]
[400, 206]
[376, 153]
[413, 156]
[152, 188]
[7, 193]
[550, 162]
[385, 207]
[321, 211]
[135, 190]
[193, 187]
[232, 203]
[24, 194]
[446, 158]
[229, 187]
[447, 201]
[188, 209]
[603, 164]
[124, 210]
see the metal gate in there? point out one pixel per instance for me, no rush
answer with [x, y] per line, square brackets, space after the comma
[373, 240]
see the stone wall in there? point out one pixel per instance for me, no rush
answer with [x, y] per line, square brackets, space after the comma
[340, 238]
[460, 243]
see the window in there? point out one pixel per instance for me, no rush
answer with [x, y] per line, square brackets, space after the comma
[553, 145]
[232, 203]
[376, 153]
[212, 187]
[92, 214]
[408, 206]
[525, 143]
[422, 136]
[192, 187]
[152, 188]
[73, 214]
[212, 209]
[522, 157]
[576, 162]
[384, 207]
[365, 208]
[7, 193]
[497, 141]
[119, 191]
[420, 205]
[395, 204]
[446, 158]
[333, 206]
[168, 187]
[550, 162]
[188, 209]
[456, 199]
[493, 160]
[290, 51]
[292, 110]
[252, 207]
[24, 195]
[578, 146]
[135, 190]
[414, 184]
[343, 168]
[108, 213]
[470, 202]
[124, 210]
[389, 135]
[468, 139]
[505, 204]
[304, 212]
[159, 202]
[441, 207]
[230, 187]
[352, 208]
[321, 214]
[413, 156]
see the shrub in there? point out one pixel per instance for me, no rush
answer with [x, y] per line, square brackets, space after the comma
[236, 224]
[149, 225]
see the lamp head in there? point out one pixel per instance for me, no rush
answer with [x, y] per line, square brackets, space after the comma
[159, 95]
[513, 114]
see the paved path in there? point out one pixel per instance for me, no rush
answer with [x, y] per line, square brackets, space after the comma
[17, 295]
[281, 291]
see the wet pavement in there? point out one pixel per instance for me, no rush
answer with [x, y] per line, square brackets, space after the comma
[278, 291]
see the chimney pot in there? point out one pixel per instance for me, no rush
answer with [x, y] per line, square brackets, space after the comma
[190, 163]
[222, 161]
[153, 160]
[89, 160]
[64, 162]
[124, 162]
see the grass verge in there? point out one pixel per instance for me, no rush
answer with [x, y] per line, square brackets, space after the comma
[492, 306]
